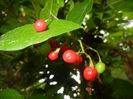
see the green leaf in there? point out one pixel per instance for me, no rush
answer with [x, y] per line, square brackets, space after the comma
[122, 89]
[120, 5]
[42, 2]
[51, 8]
[37, 7]
[59, 96]
[26, 35]
[90, 23]
[128, 14]
[38, 96]
[60, 3]
[117, 37]
[79, 11]
[44, 48]
[119, 73]
[10, 94]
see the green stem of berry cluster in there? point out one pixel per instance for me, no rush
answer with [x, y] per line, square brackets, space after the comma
[53, 15]
[96, 52]
[87, 55]
[81, 45]
[57, 50]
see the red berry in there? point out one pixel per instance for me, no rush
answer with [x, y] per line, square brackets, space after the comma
[90, 73]
[70, 56]
[53, 55]
[64, 47]
[53, 43]
[40, 25]
[79, 60]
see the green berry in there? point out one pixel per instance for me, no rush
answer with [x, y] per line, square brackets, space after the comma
[100, 67]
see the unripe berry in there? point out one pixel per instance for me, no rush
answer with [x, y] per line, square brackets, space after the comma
[100, 67]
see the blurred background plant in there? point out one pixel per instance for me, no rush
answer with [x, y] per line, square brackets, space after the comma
[107, 27]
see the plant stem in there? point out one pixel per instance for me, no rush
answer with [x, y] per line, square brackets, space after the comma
[81, 45]
[91, 62]
[96, 52]
[53, 15]
[88, 56]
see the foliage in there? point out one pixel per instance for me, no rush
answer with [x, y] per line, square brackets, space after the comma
[104, 27]
[10, 41]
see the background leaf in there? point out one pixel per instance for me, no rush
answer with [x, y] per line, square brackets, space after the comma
[25, 36]
[38, 96]
[79, 11]
[120, 5]
[51, 8]
[122, 89]
[119, 73]
[10, 94]
[117, 37]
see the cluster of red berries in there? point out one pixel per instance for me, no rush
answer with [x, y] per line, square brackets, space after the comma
[70, 56]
